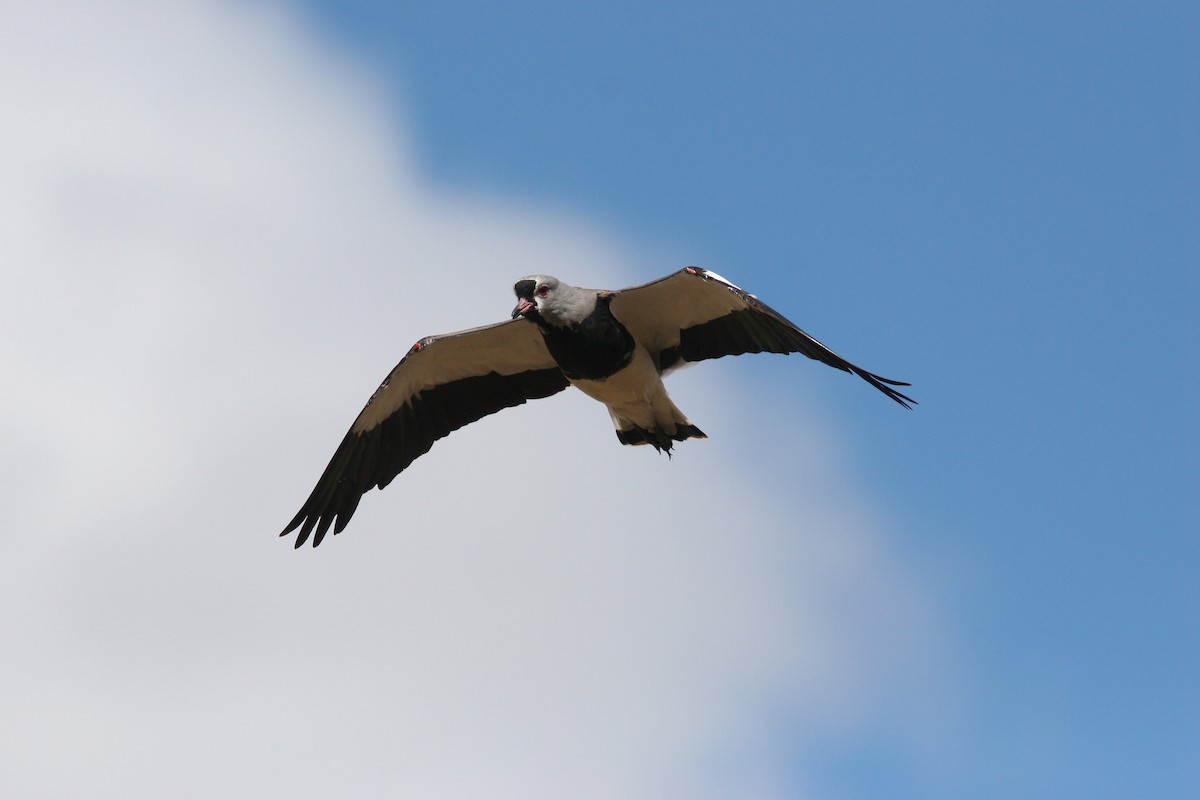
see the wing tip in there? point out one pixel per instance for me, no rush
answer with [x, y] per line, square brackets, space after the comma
[885, 385]
[305, 521]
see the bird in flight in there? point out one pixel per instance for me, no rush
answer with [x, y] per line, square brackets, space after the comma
[614, 346]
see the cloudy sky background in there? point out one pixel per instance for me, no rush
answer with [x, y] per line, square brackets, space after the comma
[224, 223]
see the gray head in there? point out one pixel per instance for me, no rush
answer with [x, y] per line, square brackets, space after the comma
[545, 299]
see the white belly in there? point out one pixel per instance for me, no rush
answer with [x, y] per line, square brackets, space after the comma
[635, 395]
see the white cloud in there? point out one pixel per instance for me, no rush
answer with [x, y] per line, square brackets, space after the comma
[215, 246]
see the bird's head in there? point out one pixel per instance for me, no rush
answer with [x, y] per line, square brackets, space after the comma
[533, 293]
[546, 300]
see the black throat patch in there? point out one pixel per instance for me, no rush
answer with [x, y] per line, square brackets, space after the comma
[524, 290]
[593, 349]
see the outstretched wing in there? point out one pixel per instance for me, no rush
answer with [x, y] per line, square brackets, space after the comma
[442, 384]
[694, 314]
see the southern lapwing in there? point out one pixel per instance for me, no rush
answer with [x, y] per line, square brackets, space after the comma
[613, 346]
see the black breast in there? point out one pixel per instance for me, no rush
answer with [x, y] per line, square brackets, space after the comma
[593, 349]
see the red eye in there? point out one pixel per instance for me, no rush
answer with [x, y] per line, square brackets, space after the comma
[543, 290]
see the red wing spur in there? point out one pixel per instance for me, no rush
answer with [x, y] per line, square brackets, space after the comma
[613, 346]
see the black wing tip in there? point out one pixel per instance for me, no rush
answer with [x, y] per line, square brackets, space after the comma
[885, 385]
[291, 526]
[301, 537]
[312, 525]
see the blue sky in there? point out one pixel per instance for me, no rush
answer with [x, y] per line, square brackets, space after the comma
[992, 595]
[996, 201]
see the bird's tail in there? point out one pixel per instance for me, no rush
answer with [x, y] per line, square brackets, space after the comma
[668, 426]
[659, 437]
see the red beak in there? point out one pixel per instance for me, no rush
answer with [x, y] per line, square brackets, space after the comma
[523, 308]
